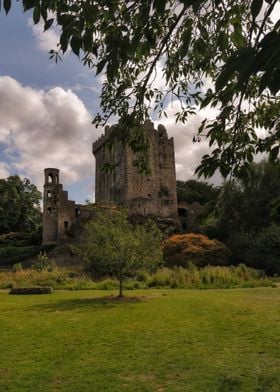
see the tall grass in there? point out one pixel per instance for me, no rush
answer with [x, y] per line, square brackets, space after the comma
[58, 278]
[209, 277]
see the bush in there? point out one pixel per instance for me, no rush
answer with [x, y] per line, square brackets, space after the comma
[21, 239]
[43, 263]
[239, 243]
[12, 254]
[180, 250]
[17, 267]
[264, 252]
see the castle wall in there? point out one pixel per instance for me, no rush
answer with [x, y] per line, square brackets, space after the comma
[153, 194]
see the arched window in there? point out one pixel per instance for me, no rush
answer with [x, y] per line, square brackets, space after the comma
[50, 178]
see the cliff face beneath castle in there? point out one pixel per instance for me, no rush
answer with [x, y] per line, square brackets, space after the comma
[153, 194]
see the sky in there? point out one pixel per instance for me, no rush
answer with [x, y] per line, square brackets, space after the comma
[46, 110]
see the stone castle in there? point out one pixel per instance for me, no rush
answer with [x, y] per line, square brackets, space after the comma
[144, 195]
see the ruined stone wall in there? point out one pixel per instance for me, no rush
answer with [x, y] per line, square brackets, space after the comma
[154, 194]
[59, 213]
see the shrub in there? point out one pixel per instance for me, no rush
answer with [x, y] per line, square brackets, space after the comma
[107, 284]
[264, 252]
[17, 267]
[43, 263]
[13, 254]
[179, 250]
[239, 243]
[21, 239]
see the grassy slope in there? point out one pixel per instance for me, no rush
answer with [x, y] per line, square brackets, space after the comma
[216, 340]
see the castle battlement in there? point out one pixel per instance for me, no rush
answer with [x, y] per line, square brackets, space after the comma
[102, 139]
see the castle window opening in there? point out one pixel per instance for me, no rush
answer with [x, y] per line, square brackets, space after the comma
[77, 212]
[167, 202]
[50, 178]
[49, 194]
[49, 210]
[182, 212]
[56, 179]
[65, 225]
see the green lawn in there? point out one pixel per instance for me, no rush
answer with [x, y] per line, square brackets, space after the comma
[162, 341]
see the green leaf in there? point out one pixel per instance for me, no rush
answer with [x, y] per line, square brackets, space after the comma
[7, 5]
[237, 36]
[100, 66]
[186, 39]
[222, 40]
[36, 14]
[159, 6]
[64, 39]
[256, 6]
[273, 155]
[224, 77]
[28, 4]
[48, 24]
[75, 44]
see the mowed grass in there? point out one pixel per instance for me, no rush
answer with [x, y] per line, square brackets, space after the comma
[173, 340]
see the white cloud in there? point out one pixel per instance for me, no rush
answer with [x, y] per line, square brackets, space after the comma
[52, 128]
[187, 154]
[45, 40]
[275, 16]
[41, 129]
[4, 172]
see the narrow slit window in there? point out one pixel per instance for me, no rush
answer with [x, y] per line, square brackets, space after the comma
[65, 225]
[49, 210]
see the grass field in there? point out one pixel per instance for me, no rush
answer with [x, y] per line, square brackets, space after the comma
[162, 341]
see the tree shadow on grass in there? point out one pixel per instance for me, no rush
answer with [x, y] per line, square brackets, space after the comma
[229, 384]
[93, 304]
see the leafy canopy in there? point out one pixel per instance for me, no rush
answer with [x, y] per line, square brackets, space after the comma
[112, 245]
[230, 43]
[196, 191]
[19, 205]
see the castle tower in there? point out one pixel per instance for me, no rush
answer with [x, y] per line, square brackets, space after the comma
[154, 194]
[50, 205]
[59, 213]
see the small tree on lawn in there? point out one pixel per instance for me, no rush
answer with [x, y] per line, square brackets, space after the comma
[112, 245]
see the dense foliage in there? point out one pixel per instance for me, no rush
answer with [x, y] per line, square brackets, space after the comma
[229, 45]
[18, 247]
[246, 215]
[113, 246]
[196, 191]
[19, 205]
[184, 249]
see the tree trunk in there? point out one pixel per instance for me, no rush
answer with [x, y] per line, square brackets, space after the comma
[121, 287]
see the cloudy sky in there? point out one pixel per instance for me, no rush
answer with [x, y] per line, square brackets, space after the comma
[46, 111]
